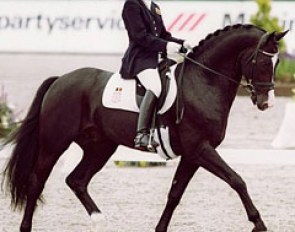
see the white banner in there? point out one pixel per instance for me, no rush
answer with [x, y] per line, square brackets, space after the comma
[97, 27]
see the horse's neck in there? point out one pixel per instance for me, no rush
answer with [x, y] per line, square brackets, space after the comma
[222, 53]
[223, 80]
[222, 62]
[206, 92]
[222, 57]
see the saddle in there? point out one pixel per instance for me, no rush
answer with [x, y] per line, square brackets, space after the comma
[121, 94]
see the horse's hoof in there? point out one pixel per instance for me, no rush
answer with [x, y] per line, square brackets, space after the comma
[98, 223]
[26, 227]
[158, 229]
[260, 228]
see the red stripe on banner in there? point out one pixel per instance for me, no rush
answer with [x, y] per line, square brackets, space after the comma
[174, 22]
[197, 22]
[186, 22]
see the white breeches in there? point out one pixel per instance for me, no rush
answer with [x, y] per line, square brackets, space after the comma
[150, 79]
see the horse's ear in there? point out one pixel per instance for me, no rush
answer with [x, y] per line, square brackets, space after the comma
[270, 37]
[275, 36]
[279, 35]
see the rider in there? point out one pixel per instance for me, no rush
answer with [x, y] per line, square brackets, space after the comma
[148, 38]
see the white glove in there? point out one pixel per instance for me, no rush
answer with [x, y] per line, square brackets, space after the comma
[173, 48]
[176, 57]
[187, 45]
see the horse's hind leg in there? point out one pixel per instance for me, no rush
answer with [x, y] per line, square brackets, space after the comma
[211, 161]
[46, 160]
[94, 158]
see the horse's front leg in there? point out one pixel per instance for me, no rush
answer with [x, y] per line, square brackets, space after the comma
[183, 175]
[211, 161]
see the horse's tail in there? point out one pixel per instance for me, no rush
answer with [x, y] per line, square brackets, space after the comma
[19, 168]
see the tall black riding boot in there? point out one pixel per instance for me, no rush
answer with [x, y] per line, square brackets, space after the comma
[142, 140]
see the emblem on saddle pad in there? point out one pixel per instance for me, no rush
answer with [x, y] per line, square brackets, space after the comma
[116, 98]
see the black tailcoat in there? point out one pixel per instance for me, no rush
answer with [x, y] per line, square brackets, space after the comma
[147, 37]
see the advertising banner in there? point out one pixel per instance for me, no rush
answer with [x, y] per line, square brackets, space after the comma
[97, 27]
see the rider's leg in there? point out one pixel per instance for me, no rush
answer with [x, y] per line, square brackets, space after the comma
[150, 79]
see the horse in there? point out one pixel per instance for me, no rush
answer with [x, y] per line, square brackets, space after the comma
[69, 109]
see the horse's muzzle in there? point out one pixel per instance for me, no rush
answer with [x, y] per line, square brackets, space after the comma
[265, 101]
[263, 106]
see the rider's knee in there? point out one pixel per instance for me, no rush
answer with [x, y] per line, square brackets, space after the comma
[150, 79]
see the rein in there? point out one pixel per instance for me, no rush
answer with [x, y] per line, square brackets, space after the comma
[212, 70]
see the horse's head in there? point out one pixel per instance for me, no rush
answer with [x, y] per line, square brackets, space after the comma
[258, 67]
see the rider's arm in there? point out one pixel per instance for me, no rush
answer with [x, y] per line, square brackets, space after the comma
[167, 36]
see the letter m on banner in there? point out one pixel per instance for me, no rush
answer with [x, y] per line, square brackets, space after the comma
[229, 20]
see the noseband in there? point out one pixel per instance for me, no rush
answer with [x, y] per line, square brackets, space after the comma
[254, 87]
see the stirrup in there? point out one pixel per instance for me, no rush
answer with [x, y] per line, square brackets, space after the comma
[152, 141]
[145, 142]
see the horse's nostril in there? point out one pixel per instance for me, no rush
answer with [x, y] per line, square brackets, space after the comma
[264, 106]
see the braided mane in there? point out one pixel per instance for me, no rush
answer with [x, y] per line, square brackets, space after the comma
[215, 36]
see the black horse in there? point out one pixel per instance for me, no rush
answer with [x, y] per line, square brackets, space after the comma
[68, 109]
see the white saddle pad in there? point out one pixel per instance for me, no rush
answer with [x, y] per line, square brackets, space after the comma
[121, 94]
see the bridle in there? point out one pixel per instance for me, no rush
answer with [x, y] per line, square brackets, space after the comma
[250, 86]
[256, 86]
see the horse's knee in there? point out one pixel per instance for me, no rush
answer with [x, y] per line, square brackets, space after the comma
[75, 185]
[70, 182]
[173, 200]
[238, 183]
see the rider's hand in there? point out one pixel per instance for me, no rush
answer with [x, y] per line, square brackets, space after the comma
[187, 45]
[176, 57]
[173, 48]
